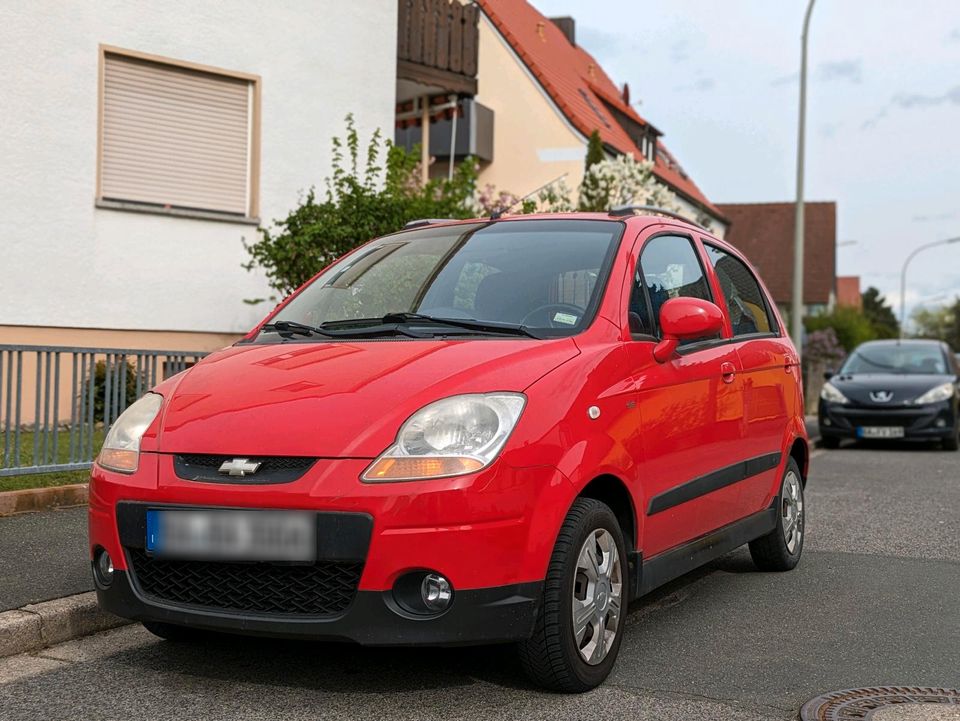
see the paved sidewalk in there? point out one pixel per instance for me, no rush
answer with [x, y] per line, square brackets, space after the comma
[43, 556]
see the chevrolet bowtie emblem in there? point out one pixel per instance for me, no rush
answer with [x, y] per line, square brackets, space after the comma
[240, 467]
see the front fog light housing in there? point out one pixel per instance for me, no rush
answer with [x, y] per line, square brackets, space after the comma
[121, 447]
[435, 592]
[103, 567]
[451, 437]
[421, 594]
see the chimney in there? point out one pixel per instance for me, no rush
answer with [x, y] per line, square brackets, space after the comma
[568, 27]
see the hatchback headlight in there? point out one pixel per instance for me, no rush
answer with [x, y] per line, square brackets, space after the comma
[936, 394]
[451, 437]
[830, 394]
[121, 447]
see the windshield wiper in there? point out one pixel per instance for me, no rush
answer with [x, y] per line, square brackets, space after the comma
[291, 327]
[466, 323]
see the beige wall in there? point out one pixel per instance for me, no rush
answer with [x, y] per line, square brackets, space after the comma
[85, 338]
[532, 142]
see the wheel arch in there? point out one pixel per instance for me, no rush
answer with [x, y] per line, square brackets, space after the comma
[800, 452]
[612, 491]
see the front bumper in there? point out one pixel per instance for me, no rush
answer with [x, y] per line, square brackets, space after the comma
[490, 534]
[479, 616]
[931, 422]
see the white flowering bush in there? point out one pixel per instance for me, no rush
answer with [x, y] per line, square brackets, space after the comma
[624, 180]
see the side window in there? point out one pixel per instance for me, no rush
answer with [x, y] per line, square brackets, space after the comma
[669, 268]
[745, 303]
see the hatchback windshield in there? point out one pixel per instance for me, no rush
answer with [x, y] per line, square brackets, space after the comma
[544, 276]
[903, 358]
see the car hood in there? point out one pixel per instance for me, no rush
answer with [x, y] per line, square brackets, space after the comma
[905, 388]
[335, 399]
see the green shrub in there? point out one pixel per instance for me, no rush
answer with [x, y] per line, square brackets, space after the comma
[850, 325]
[363, 200]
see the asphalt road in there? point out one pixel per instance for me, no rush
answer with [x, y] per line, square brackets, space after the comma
[875, 601]
[43, 556]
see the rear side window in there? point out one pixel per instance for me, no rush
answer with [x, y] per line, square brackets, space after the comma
[746, 306]
[669, 268]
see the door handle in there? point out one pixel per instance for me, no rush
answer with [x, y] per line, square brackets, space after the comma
[728, 371]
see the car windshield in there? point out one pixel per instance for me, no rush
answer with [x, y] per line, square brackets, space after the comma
[906, 358]
[543, 276]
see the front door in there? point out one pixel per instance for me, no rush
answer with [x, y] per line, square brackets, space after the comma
[691, 407]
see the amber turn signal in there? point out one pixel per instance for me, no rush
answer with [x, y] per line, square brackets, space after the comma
[421, 467]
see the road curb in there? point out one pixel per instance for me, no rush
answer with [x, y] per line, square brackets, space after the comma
[41, 499]
[39, 625]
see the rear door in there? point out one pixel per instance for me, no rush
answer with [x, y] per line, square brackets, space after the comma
[691, 407]
[769, 371]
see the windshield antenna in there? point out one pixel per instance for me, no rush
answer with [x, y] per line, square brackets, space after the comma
[499, 212]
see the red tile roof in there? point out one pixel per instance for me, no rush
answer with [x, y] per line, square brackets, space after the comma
[848, 291]
[578, 85]
[764, 232]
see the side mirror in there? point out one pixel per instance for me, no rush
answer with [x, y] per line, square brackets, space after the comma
[686, 319]
[828, 374]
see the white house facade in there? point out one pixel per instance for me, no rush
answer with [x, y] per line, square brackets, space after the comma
[141, 143]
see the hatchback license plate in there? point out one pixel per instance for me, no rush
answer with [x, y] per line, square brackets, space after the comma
[232, 535]
[880, 432]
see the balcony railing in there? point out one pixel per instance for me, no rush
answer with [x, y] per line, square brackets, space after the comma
[437, 44]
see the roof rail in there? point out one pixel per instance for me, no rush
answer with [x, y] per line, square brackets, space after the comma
[427, 221]
[621, 210]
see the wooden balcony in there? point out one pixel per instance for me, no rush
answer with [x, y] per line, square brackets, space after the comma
[437, 48]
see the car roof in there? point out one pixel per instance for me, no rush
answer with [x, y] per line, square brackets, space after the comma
[638, 222]
[905, 341]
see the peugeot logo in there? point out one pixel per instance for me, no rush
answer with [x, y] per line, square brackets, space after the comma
[240, 467]
[881, 396]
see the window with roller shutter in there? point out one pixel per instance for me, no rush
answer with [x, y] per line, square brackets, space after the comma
[177, 137]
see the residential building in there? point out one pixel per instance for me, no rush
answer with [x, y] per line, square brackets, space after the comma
[539, 96]
[848, 291]
[143, 143]
[765, 232]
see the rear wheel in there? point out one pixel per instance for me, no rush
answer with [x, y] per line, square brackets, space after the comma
[580, 624]
[780, 549]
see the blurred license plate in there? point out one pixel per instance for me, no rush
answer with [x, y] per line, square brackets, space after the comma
[880, 432]
[232, 535]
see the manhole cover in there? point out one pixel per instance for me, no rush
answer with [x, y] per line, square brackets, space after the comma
[885, 703]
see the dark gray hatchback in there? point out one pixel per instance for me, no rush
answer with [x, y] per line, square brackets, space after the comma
[896, 390]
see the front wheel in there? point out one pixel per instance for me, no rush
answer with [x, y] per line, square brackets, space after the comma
[953, 443]
[780, 549]
[579, 627]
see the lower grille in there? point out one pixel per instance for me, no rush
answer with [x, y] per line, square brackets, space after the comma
[325, 588]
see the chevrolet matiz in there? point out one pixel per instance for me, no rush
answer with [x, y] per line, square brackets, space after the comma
[467, 432]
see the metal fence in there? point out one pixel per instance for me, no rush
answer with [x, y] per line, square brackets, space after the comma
[57, 402]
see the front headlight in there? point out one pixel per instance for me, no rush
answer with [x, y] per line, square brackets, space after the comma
[937, 394]
[830, 394]
[121, 447]
[451, 437]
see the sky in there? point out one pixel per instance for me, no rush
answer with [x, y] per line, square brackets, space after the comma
[720, 80]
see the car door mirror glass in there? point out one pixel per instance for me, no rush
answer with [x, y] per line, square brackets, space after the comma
[828, 374]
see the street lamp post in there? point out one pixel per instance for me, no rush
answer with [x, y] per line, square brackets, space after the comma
[796, 310]
[903, 278]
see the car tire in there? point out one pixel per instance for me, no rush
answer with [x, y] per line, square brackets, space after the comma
[830, 442]
[780, 549]
[557, 657]
[171, 632]
[952, 444]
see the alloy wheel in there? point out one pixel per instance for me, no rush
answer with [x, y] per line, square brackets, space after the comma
[791, 511]
[597, 592]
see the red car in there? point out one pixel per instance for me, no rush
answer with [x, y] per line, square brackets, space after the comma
[497, 430]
